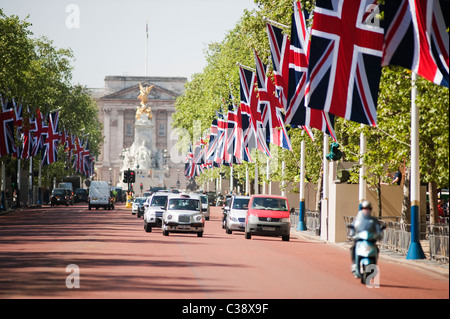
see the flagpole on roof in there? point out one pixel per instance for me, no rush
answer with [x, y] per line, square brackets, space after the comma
[146, 48]
[415, 250]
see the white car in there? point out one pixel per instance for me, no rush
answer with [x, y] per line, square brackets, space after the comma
[154, 206]
[236, 214]
[183, 215]
[205, 206]
[137, 207]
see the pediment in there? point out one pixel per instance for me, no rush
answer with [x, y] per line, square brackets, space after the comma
[132, 92]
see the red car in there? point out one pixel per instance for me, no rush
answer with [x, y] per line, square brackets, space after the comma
[268, 215]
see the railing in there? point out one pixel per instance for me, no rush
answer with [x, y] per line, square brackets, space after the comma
[438, 239]
[312, 220]
[397, 237]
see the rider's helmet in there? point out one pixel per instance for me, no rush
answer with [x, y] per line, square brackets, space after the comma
[367, 206]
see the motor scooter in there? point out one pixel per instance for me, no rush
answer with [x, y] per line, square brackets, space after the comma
[366, 252]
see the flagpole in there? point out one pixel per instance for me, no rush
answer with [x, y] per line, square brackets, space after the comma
[256, 178]
[277, 24]
[301, 215]
[324, 203]
[146, 49]
[362, 181]
[415, 249]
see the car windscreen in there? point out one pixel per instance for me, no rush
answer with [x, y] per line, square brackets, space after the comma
[240, 203]
[204, 199]
[59, 192]
[140, 200]
[159, 201]
[269, 203]
[183, 204]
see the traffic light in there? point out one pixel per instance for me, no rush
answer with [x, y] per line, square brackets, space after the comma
[125, 176]
[131, 177]
[335, 153]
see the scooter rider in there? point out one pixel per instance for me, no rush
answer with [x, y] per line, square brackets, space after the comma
[364, 221]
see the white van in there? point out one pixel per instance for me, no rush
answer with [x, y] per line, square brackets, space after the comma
[100, 195]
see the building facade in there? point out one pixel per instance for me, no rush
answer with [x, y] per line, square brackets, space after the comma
[117, 105]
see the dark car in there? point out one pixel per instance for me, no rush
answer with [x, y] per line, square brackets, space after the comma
[60, 196]
[81, 195]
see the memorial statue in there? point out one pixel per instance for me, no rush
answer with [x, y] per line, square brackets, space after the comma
[143, 92]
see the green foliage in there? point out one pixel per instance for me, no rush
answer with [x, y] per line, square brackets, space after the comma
[387, 144]
[38, 75]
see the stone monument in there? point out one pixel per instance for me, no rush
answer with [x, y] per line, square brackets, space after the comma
[140, 157]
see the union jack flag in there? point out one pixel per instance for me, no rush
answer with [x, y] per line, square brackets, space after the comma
[52, 139]
[279, 48]
[212, 146]
[345, 59]
[27, 135]
[416, 38]
[234, 133]
[270, 108]
[78, 154]
[297, 115]
[251, 118]
[221, 139]
[39, 133]
[7, 144]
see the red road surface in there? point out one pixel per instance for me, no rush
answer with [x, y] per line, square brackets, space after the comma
[118, 259]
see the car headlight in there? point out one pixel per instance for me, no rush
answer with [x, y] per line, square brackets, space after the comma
[253, 219]
[198, 218]
[169, 217]
[285, 220]
[234, 219]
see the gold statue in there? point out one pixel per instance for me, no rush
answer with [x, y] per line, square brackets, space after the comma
[143, 92]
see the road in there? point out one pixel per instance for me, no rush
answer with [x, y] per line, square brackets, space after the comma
[116, 258]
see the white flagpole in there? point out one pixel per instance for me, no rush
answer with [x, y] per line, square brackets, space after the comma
[146, 49]
[324, 203]
[415, 249]
[362, 181]
[301, 215]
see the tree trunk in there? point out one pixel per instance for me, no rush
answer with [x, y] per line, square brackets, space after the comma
[433, 202]
[379, 198]
[406, 203]
[319, 192]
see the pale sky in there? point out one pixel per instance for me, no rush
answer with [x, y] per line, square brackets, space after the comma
[108, 37]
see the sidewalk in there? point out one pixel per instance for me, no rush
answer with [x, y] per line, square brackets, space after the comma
[433, 266]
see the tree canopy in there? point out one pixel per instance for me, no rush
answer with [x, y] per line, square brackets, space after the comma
[387, 144]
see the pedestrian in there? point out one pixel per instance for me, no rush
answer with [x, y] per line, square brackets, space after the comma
[397, 177]
[15, 205]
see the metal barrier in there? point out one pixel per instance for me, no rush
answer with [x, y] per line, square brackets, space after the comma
[438, 239]
[396, 236]
[312, 220]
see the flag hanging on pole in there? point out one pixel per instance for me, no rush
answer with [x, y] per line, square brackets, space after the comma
[279, 48]
[7, 144]
[297, 114]
[416, 37]
[52, 139]
[345, 59]
[270, 108]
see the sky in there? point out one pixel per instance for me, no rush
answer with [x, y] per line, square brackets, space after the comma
[108, 37]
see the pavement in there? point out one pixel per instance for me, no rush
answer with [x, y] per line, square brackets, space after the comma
[429, 265]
